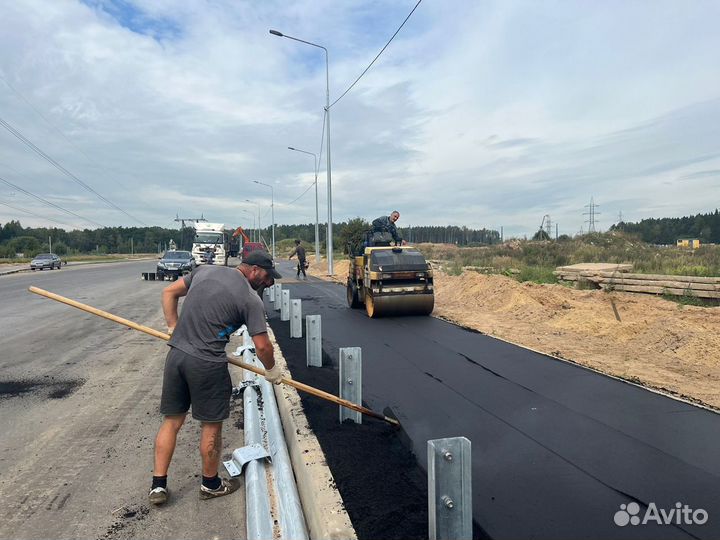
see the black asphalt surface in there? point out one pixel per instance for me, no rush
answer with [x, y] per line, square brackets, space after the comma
[556, 448]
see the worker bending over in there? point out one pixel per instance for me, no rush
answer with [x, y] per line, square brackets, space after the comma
[219, 300]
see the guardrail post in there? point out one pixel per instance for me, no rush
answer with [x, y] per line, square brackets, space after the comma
[285, 306]
[449, 489]
[296, 318]
[278, 296]
[351, 382]
[271, 294]
[313, 340]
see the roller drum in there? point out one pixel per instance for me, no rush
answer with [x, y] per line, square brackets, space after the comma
[399, 304]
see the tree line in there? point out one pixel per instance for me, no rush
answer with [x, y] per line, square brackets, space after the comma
[705, 227]
[29, 241]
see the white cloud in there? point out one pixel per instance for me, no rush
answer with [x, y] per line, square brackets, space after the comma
[483, 114]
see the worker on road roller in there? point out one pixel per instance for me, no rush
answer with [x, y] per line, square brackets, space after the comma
[384, 228]
[389, 280]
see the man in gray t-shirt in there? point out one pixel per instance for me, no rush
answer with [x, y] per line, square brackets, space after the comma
[218, 301]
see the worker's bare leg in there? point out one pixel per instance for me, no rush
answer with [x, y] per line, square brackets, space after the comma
[165, 443]
[211, 447]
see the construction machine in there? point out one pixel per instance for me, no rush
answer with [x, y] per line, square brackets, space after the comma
[390, 280]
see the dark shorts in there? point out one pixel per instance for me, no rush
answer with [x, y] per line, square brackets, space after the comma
[188, 380]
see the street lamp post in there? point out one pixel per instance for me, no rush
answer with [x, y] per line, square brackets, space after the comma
[259, 226]
[317, 217]
[327, 128]
[272, 210]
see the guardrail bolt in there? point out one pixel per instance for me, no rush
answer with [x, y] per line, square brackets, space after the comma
[448, 502]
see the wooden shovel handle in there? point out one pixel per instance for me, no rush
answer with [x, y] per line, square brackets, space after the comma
[162, 335]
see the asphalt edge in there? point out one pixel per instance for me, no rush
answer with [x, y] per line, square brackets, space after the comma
[689, 400]
[323, 506]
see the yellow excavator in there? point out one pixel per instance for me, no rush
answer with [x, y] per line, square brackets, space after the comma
[390, 280]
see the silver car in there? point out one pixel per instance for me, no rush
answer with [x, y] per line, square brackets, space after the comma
[45, 260]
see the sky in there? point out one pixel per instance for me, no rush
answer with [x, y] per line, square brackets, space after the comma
[484, 114]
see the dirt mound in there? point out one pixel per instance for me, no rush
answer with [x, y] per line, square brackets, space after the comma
[656, 342]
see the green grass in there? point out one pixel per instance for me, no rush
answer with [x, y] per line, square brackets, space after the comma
[536, 274]
[689, 299]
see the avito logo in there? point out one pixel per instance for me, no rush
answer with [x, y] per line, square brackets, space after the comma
[682, 514]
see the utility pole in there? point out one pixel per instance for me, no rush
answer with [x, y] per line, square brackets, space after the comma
[132, 247]
[183, 220]
[50, 242]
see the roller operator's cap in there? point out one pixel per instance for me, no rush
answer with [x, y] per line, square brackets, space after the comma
[262, 259]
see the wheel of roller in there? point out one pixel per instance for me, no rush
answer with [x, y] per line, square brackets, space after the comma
[352, 296]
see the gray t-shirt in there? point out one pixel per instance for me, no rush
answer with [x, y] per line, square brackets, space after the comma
[219, 301]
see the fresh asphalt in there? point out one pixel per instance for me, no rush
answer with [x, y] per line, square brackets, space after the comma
[556, 448]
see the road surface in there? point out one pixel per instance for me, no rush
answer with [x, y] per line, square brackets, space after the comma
[79, 401]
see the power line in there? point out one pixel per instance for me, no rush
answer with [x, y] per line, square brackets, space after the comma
[322, 140]
[15, 133]
[301, 195]
[378, 54]
[36, 215]
[49, 123]
[48, 203]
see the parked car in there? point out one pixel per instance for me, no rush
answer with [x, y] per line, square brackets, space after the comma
[45, 260]
[175, 264]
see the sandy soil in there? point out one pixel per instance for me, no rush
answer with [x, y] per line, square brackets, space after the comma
[657, 343]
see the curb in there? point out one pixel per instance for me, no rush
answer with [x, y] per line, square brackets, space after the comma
[323, 506]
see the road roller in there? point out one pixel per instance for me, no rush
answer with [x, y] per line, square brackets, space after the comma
[390, 280]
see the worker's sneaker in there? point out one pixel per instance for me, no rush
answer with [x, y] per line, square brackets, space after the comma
[226, 488]
[158, 495]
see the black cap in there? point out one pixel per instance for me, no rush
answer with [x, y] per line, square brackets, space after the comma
[262, 259]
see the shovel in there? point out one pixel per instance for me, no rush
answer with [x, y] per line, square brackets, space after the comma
[162, 335]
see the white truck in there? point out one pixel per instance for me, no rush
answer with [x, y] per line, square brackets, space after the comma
[213, 244]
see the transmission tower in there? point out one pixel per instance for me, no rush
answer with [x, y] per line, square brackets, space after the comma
[591, 213]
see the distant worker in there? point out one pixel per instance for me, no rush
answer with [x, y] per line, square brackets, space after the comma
[383, 228]
[302, 263]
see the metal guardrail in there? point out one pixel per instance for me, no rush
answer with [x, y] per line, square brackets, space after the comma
[266, 481]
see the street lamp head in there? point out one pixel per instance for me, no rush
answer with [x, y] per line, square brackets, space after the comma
[290, 148]
[276, 33]
[255, 182]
